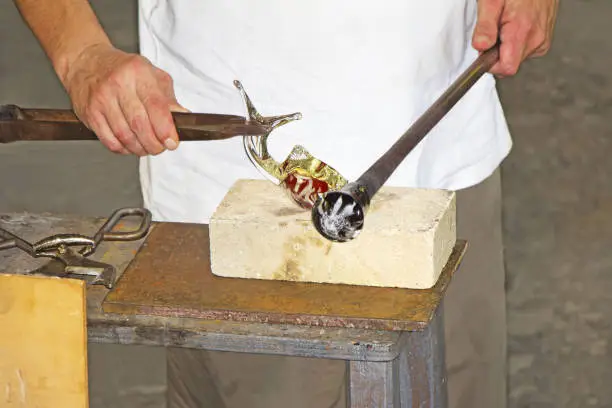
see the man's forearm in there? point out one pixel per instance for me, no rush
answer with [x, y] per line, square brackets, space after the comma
[64, 28]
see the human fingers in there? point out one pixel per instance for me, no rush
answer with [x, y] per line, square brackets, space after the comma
[526, 32]
[99, 125]
[160, 102]
[486, 31]
[548, 24]
[513, 47]
[121, 129]
[137, 118]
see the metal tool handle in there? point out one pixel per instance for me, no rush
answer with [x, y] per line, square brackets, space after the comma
[26, 124]
[39, 115]
[13, 241]
[107, 231]
[381, 170]
[23, 124]
[50, 244]
[46, 246]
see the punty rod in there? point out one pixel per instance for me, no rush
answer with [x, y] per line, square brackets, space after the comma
[381, 170]
[339, 215]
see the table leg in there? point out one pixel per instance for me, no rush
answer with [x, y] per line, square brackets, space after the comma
[422, 370]
[373, 384]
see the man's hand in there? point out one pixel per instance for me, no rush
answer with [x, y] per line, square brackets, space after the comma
[124, 99]
[524, 28]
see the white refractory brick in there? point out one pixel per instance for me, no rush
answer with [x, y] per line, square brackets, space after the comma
[257, 232]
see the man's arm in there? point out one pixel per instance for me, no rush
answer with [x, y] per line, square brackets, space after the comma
[64, 28]
[122, 97]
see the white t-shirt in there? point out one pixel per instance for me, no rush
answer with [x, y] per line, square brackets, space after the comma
[360, 72]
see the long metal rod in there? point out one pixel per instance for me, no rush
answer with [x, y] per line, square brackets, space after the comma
[19, 124]
[339, 215]
[381, 170]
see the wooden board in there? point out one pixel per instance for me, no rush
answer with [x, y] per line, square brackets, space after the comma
[43, 342]
[171, 277]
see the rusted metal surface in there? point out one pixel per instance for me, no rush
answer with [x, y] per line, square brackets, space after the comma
[290, 340]
[374, 384]
[257, 338]
[171, 277]
[416, 378]
[422, 366]
[22, 124]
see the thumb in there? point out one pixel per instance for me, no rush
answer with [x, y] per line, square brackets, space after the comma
[173, 141]
[487, 24]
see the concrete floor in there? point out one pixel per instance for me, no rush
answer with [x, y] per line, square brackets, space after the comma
[558, 202]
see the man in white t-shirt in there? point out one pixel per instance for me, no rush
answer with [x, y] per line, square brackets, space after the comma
[360, 72]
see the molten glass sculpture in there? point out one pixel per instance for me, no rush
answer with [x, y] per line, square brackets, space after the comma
[301, 175]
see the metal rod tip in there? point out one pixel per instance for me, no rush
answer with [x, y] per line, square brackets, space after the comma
[338, 216]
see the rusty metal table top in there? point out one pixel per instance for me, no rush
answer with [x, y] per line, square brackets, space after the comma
[171, 276]
[167, 296]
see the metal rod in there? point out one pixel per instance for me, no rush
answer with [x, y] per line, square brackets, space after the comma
[339, 215]
[19, 124]
[9, 241]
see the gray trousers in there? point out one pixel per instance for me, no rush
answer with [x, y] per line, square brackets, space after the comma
[475, 325]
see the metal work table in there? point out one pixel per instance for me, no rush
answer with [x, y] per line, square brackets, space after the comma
[392, 339]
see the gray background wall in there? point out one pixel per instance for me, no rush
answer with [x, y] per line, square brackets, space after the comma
[557, 206]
